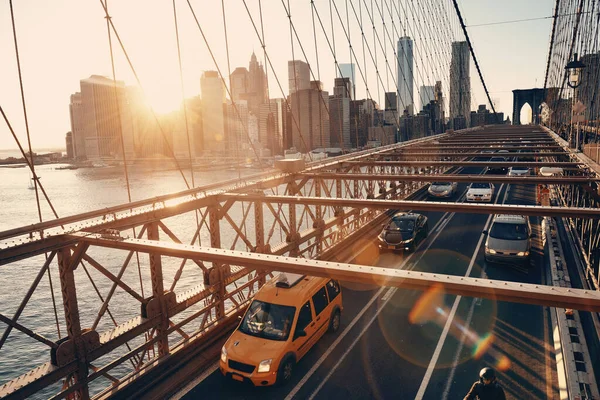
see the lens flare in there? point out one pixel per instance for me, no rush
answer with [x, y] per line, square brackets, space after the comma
[482, 346]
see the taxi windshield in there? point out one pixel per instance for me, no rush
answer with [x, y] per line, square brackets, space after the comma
[268, 321]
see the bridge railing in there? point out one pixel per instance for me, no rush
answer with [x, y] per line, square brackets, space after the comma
[124, 313]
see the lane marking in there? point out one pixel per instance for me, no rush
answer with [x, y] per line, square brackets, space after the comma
[187, 388]
[443, 220]
[379, 310]
[355, 320]
[442, 339]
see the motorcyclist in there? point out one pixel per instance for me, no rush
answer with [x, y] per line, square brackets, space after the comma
[486, 388]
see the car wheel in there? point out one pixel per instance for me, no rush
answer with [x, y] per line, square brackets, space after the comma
[286, 371]
[334, 322]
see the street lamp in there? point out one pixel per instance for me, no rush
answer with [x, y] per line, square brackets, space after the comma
[574, 68]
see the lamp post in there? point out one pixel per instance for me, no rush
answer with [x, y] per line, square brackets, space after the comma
[574, 69]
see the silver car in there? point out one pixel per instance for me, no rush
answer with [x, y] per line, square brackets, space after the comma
[519, 171]
[508, 240]
[442, 189]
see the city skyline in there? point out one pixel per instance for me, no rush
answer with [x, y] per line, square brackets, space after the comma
[48, 99]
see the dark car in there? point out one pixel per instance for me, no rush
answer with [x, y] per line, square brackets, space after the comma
[497, 169]
[404, 231]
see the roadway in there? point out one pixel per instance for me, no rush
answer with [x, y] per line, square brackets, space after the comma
[378, 353]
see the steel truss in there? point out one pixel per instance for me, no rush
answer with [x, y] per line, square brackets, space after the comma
[285, 219]
[586, 232]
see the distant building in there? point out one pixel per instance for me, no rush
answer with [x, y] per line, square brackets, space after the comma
[271, 125]
[460, 84]
[239, 84]
[236, 126]
[438, 96]
[405, 75]
[426, 95]
[69, 145]
[213, 119]
[106, 118]
[310, 118]
[298, 76]
[151, 138]
[383, 134]
[359, 124]
[413, 126]
[77, 126]
[390, 113]
[339, 114]
[483, 116]
[258, 91]
[347, 71]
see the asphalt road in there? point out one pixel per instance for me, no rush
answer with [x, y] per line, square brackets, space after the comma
[379, 354]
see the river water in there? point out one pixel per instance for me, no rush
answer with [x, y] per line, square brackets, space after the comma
[73, 192]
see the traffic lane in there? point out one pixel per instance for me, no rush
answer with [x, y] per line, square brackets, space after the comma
[355, 298]
[520, 332]
[393, 344]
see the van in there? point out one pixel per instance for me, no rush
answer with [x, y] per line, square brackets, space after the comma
[508, 239]
[286, 317]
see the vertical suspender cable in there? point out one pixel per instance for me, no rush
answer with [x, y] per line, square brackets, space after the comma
[119, 116]
[35, 177]
[237, 155]
[184, 105]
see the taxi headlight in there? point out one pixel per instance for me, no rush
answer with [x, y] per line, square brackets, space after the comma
[265, 365]
[491, 251]
[523, 253]
[223, 354]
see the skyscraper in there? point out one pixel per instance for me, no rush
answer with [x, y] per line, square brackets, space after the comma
[405, 75]
[77, 126]
[426, 94]
[298, 76]
[106, 116]
[258, 92]
[310, 118]
[339, 114]
[460, 82]
[213, 99]
[239, 84]
[347, 71]
[271, 124]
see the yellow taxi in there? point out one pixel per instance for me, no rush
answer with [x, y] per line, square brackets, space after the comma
[287, 316]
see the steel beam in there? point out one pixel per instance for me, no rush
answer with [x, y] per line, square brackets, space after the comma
[459, 178]
[541, 211]
[478, 147]
[473, 154]
[586, 300]
[466, 163]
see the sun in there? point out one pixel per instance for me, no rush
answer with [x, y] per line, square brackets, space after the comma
[163, 99]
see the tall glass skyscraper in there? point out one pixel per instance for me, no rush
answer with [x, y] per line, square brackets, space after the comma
[347, 71]
[405, 75]
[460, 82]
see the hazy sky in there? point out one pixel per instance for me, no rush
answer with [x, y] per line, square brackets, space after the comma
[63, 41]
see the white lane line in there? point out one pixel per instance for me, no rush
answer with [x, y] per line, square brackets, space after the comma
[442, 221]
[382, 306]
[442, 339]
[187, 388]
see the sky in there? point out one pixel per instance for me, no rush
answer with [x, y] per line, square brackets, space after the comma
[64, 41]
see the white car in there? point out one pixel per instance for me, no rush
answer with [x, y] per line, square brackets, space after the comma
[480, 192]
[519, 171]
